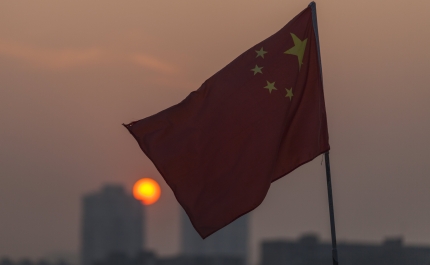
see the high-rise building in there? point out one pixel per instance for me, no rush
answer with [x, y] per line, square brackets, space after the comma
[231, 240]
[112, 222]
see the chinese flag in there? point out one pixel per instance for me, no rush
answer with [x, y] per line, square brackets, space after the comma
[251, 123]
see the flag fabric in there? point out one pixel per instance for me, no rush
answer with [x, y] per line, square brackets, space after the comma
[257, 119]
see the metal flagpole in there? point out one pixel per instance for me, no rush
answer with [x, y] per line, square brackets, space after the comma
[326, 155]
[330, 204]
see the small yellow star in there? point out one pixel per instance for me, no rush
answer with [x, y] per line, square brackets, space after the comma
[289, 93]
[270, 86]
[298, 49]
[257, 69]
[261, 53]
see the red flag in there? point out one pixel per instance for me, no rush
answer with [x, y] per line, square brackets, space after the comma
[254, 121]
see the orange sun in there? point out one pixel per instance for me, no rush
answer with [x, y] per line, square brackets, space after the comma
[146, 190]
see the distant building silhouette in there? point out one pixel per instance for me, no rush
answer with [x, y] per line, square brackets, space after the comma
[25, 262]
[231, 241]
[202, 260]
[7, 261]
[309, 250]
[112, 222]
[142, 258]
[149, 258]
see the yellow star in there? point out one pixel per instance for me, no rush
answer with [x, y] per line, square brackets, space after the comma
[261, 53]
[289, 93]
[257, 69]
[298, 49]
[270, 86]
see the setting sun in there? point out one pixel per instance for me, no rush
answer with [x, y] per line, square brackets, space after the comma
[146, 190]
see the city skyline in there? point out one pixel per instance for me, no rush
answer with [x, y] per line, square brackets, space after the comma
[306, 249]
[230, 242]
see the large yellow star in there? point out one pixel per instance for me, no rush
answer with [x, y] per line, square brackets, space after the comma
[298, 49]
[289, 93]
[270, 86]
[257, 69]
[261, 53]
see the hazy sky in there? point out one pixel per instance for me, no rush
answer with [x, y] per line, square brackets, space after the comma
[72, 71]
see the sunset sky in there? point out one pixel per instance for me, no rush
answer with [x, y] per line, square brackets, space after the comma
[71, 72]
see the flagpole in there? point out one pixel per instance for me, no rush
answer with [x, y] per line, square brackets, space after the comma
[330, 204]
[326, 155]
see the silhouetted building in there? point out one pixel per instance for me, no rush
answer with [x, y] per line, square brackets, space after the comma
[25, 262]
[309, 250]
[149, 258]
[202, 260]
[6, 261]
[142, 258]
[112, 223]
[230, 241]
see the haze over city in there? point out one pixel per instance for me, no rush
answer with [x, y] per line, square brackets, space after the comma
[72, 72]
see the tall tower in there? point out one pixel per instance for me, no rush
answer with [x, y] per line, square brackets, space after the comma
[231, 240]
[112, 223]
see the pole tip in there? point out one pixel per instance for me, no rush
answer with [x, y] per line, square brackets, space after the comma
[312, 4]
